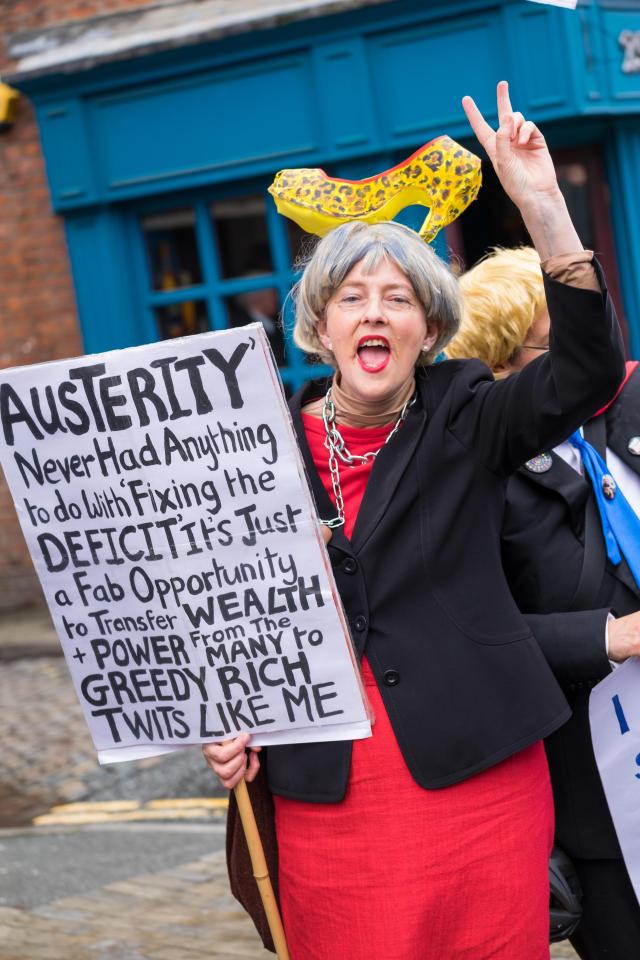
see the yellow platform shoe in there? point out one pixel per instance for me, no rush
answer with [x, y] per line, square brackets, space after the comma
[441, 175]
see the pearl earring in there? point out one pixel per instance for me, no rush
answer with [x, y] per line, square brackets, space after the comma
[425, 349]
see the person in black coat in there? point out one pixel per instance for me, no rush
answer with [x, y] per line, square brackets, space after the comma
[459, 676]
[556, 564]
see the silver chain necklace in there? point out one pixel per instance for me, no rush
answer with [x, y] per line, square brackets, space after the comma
[334, 442]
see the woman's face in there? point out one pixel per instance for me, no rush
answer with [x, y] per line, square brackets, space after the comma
[375, 327]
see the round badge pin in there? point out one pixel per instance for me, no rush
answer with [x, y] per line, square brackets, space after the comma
[609, 486]
[540, 464]
[634, 446]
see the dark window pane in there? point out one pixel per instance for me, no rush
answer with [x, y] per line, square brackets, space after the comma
[301, 244]
[243, 241]
[182, 319]
[259, 306]
[492, 220]
[573, 179]
[172, 249]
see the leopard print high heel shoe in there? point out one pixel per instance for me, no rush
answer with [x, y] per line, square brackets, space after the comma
[441, 175]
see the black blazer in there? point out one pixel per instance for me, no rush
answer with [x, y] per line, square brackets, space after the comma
[463, 681]
[543, 550]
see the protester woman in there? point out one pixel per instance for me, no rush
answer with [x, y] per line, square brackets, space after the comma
[430, 839]
[555, 559]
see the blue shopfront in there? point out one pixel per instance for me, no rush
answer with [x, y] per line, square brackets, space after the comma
[159, 161]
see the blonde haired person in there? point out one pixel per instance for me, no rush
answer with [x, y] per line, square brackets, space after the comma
[504, 311]
[556, 565]
[431, 838]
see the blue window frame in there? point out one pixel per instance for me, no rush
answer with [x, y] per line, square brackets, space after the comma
[219, 258]
[212, 260]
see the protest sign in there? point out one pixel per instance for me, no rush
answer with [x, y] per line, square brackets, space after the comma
[614, 714]
[163, 499]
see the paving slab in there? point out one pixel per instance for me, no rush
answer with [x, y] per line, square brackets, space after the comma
[48, 757]
[144, 918]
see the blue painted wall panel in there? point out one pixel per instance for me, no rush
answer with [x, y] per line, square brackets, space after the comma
[344, 96]
[539, 69]
[226, 119]
[623, 163]
[65, 145]
[623, 85]
[585, 54]
[420, 75]
[109, 312]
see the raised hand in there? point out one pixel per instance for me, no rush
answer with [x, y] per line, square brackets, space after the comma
[517, 149]
[523, 164]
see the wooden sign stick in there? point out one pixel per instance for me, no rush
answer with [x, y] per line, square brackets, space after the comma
[260, 869]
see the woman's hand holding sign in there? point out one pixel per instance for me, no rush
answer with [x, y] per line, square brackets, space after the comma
[233, 760]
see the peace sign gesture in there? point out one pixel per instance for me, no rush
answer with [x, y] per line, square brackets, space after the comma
[517, 150]
[522, 161]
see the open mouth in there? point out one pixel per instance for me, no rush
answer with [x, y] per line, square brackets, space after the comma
[373, 353]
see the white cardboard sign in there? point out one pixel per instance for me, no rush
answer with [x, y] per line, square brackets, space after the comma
[163, 498]
[569, 4]
[614, 714]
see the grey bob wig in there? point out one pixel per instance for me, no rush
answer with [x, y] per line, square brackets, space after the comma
[357, 242]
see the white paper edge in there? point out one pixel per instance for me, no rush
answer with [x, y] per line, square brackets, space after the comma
[567, 4]
[336, 731]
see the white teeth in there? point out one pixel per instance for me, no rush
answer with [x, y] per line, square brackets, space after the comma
[373, 343]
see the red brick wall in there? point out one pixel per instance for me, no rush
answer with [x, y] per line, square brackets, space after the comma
[38, 318]
[19, 15]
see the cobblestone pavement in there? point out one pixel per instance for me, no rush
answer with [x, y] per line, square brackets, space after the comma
[47, 760]
[47, 755]
[185, 913]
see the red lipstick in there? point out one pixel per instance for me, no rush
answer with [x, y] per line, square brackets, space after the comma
[373, 352]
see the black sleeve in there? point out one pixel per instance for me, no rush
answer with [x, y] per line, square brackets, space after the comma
[506, 422]
[573, 644]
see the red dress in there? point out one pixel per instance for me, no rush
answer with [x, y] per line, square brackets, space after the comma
[397, 872]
